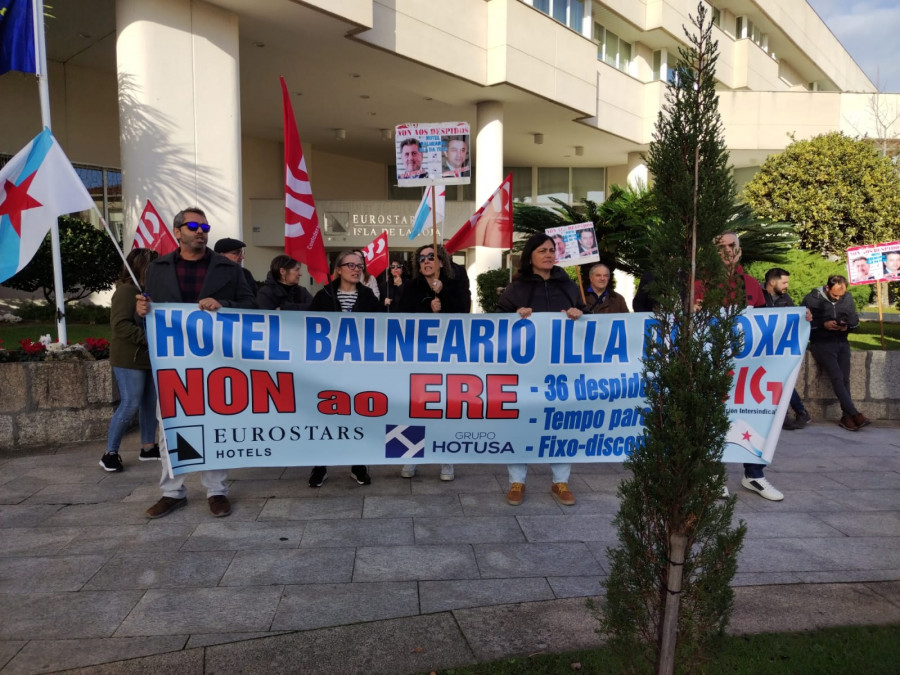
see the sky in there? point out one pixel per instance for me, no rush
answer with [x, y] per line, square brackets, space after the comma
[869, 30]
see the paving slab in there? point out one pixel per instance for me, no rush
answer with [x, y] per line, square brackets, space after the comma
[408, 563]
[415, 645]
[12, 515]
[46, 574]
[564, 527]
[188, 662]
[202, 610]
[229, 535]
[303, 607]
[47, 656]
[440, 596]
[290, 566]
[528, 628]
[162, 569]
[8, 649]
[86, 614]
[529, 560]
[162, 536]
[577, 587]
[358, 532]
[312, 509]
[761, 609]
[36, 540]
[411, 506]
[471, 529]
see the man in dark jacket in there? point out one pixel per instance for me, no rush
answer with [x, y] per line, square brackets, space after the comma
[833, 315]
[776, 295]
[233, 249]
[194, 274]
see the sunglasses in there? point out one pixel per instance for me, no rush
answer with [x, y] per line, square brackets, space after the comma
[352, 266]
[395, 266]
[427, 256]
[193, 226]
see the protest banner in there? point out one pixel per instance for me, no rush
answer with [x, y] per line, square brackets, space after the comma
[244, 388]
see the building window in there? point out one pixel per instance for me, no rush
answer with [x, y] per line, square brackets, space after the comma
[105, 186]
[746, 30]
[569, 185]
[612, 49]
[568, 12]
[661, 69]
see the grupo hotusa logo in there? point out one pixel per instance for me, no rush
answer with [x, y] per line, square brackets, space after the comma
[404, 441]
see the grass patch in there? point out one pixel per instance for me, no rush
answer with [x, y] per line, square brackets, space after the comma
[868, 337]
[11, 333]
[874, 650]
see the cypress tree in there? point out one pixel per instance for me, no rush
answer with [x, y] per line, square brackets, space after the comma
[672, 501]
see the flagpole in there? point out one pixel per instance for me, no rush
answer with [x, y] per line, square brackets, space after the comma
[40, 47]
[433, 221]
[119, 250]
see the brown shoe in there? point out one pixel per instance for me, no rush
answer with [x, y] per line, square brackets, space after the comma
[165, 506]
[516, 494]
[861, 420]
[562, 494]
[848, 423]
[219, 505]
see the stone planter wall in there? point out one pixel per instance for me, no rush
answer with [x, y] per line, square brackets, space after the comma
[53, 403]
[50, 404]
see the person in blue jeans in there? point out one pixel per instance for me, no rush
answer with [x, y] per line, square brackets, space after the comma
[130, 361]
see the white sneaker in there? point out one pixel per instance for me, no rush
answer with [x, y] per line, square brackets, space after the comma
[725, 493]
[446, 472]
[763, 487]
[408, 471]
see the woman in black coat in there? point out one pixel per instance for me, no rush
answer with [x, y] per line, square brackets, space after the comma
[540, 286]
[282, 289]
[346, 293]
[435, 288]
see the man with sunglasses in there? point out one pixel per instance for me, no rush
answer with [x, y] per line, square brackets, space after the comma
[193, 273]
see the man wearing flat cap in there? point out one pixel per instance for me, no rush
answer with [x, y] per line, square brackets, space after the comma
[233, 249]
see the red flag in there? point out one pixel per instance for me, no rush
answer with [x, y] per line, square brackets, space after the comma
[302, 234]
[377, 255]
[152, 232]
[491, 225]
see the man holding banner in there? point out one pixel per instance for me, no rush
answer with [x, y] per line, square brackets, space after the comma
[194, 274]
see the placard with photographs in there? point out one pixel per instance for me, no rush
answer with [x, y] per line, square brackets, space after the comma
[871, 264]
[433, 154]
[575, 244]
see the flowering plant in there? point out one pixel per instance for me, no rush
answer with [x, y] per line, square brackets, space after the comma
[48, 349]
[34, 351]
[97, 347]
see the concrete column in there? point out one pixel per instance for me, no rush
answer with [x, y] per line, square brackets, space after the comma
[637, 170]
[488, 176]
[179, 111]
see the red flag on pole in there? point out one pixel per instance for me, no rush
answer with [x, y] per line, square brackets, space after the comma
[302, 234]
[377, 255]
[152, 232]
[491, 225]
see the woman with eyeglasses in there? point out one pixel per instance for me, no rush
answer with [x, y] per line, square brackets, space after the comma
[346, 293]
[282, 289]
[435, 288]
[392, 287]
[366, 278]
[540, 286]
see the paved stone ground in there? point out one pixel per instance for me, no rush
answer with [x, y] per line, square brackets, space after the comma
[400, 576]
